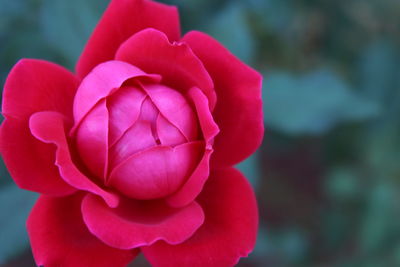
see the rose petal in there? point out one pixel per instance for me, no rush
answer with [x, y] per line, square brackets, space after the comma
[229, 230]
[36, 85]
[29, 161]
[137, 138]
[175, 108]
[124, 109]
[49, 128]
[140, 223]
[239, 109]
[101, 82]
[149, 112]
[151, 51]
[59, 237]
[122, 19]
[169, 135]
[194, 184]
[92, 140]
[156, 172]
[31, 86]
[208, 126]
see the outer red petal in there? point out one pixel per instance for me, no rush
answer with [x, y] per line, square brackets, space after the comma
[31, 86]
[151, 51]
[36, 85]
[229, 230]
[29, 161]
[49, 127]
[60, 238]
[194, 184]
[122, 19]
[239, 108]
[91, 140]
[139, 223]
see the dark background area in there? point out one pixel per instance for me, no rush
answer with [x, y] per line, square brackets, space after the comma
[327, 176]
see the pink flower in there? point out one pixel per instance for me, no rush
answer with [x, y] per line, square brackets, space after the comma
[135, 151]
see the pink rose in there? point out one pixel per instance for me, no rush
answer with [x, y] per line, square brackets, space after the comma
[134, 152]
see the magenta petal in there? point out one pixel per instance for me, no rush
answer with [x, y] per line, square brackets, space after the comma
[92, 140]
[175, 108]
[124, 109]
[101, 82]
[195, 183]
[137, 138]
[238, 112]
[156, 172]
[122, 19]
[229, 230]
[37, 85]
[151, 51]
[59, 237]
[169, 135]
[193, 186]
[36, 173]
[49, 127]
[140, 223]
[208, 126]
[149, 112]
[32, 86]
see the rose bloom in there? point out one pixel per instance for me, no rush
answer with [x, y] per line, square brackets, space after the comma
[134, 151]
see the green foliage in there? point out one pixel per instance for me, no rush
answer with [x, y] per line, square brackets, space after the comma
[250, 168]
[312, 103]
[230, 27]
[15, 205]
[69, 22]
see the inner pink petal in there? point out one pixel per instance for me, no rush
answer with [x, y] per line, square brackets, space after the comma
[49, 127]
[137, 138]
[92, 140]
[156, 172]
[174, 107]
[101, 82]
[208, 126]
[149, 114]
[169, 135]
[124, 108]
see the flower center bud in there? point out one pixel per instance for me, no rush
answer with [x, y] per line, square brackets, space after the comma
[142, 140]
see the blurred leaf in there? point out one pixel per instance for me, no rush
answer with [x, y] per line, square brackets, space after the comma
[335, 228]
[289, 243]
[9, 11]
[4, 176]
[262, 244]
[397, 254]
[275, 15]
[17, 47]
[382, 152]
[67, 25]
[294, 244]
[15, 205]
[378, 68]
[376, 227]
[312, 103]
[251, 169]
[342, 184]
[195, 14]
[231, 29]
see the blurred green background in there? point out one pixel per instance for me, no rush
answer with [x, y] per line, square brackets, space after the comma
[327, 176]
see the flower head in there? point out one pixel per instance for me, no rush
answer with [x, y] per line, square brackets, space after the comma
[134, 152]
